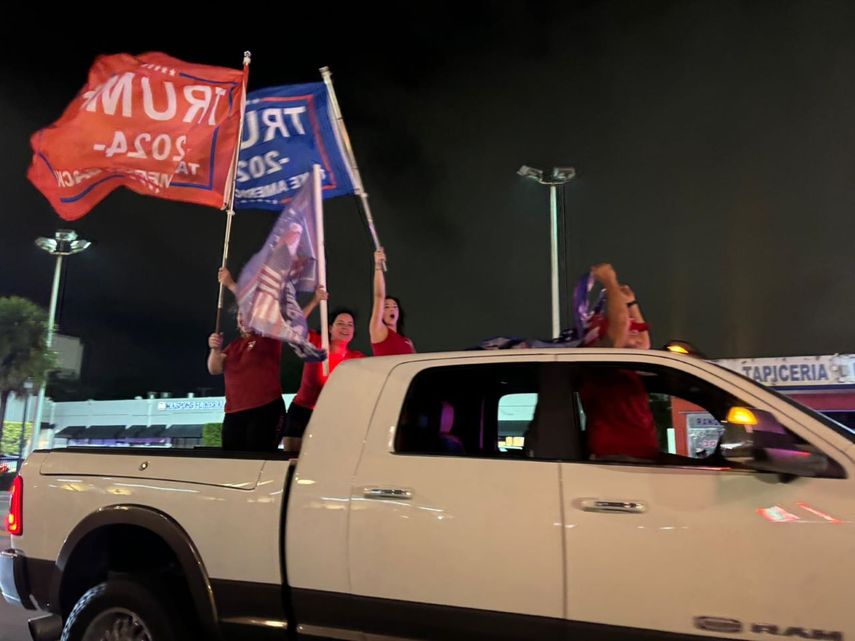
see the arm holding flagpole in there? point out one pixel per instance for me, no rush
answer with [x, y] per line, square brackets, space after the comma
[230, 212]
[215, 355]
[351, 158]
[224, 276]
[377, 329]
[319, 296]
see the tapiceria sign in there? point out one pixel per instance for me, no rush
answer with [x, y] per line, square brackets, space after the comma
[796, 371]
[825, 383]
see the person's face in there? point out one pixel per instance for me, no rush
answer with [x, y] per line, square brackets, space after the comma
[390, 313]
[341, 329]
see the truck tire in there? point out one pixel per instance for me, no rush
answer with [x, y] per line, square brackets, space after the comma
[122, 609]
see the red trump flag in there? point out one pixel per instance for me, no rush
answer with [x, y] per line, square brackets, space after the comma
[151, 123]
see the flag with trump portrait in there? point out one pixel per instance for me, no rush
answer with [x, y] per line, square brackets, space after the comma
[154, 124]
[286, 264]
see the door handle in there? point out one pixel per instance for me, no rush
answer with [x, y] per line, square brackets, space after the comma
[397, 493]
[611, 505]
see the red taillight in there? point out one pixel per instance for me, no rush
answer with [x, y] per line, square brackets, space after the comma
[15, 519]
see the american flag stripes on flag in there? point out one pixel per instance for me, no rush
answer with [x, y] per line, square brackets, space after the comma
[286, 264]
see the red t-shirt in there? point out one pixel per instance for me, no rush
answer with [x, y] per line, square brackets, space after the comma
[313, 374]
[251, 369]
[619, 420]
[393, 344]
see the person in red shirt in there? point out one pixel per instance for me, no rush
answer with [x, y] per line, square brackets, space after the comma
[387, 318]
[620, 423]
[341, 330]
[254, 408]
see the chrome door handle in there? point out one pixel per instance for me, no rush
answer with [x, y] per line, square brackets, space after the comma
[603, 505]
[398, 493]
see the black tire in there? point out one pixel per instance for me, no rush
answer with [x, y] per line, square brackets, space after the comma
[129, 605]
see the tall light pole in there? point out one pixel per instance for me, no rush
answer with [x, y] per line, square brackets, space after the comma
[28, 390]
[556, 176]
[64, 243]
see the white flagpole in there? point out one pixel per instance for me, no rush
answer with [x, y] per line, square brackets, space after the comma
[232, 180]
[351, 157]
[322, 260]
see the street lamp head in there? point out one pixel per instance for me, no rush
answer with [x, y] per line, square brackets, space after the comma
[556, 175]
[530, 172]
[66, 234]
[562, 174]
[64, 243]
[78, 246]
[48, 244]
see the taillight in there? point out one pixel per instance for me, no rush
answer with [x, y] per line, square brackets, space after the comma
[15, 519]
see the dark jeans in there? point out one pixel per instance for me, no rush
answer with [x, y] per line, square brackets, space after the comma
[296, 421]
[254, 430]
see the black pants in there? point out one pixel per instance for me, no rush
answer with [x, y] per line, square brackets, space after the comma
[297, 420]
[254, 430]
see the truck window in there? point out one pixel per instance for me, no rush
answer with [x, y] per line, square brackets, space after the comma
[469, 410]
[516, 412]
[654, 414]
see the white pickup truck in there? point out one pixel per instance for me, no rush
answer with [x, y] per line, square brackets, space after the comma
[421, 508]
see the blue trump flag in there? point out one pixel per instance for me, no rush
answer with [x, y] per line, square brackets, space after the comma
[285, 131]
[268, 284]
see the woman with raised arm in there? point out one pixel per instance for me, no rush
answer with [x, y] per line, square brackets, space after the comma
[387, 317]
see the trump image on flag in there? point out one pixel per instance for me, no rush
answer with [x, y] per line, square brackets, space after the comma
[268, 285]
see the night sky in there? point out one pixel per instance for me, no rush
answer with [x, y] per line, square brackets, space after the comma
[714, 144]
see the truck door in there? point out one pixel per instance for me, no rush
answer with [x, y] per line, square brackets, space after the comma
[455, 526]
[692, 545]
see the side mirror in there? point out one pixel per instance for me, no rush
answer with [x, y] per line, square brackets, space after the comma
[755, 439]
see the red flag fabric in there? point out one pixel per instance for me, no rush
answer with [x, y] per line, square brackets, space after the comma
[152, 123]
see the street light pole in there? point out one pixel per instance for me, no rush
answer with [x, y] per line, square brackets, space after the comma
[557, 176]
[28, 390]
[64, 243]
[553, 259]
[40, 401]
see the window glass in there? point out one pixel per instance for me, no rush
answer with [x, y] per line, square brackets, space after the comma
[469, 410]
[656, 414]
[516, 411]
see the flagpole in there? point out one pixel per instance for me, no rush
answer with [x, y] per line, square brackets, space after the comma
[351, 157]
[232, 180]
[322, 260]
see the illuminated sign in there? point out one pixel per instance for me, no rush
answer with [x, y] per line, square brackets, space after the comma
[796, 371]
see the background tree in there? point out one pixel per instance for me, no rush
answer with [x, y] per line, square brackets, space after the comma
[23, 354]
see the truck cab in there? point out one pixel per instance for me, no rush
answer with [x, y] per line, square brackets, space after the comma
[456, 495]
